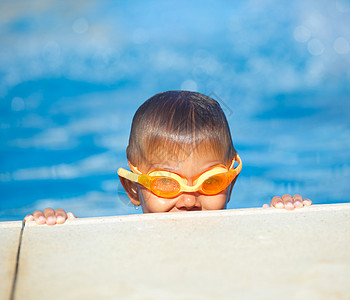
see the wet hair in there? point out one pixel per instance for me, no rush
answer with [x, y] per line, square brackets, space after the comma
[173, 124]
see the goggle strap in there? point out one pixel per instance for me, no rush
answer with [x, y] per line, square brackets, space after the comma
[128, 175]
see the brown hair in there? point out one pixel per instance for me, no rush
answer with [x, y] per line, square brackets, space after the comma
[173, 124]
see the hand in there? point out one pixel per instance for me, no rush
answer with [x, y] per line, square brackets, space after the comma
[49, 216]
[289, 202]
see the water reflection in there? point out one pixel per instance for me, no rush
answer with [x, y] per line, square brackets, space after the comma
[73, 74]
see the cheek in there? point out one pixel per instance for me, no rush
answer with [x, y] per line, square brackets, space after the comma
[152, 204]
[216, 202]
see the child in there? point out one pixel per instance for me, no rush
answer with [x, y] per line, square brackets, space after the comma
[181, 158]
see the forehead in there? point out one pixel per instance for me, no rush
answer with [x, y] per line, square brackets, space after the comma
[188, 164]
[179, 152]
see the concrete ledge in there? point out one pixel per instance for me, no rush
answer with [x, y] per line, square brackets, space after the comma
[241, 254]
[9, 242]
[199, 214]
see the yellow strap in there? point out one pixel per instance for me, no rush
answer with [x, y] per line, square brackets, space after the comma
[128, 175]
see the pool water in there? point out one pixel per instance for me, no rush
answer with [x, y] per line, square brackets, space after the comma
[73, 74]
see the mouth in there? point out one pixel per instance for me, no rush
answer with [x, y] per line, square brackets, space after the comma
[189, 209]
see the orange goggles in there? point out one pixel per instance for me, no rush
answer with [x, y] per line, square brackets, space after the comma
[166, 184]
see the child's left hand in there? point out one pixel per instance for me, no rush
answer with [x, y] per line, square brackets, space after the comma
[289, 202]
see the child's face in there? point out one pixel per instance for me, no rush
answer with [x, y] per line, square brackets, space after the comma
[189, 168]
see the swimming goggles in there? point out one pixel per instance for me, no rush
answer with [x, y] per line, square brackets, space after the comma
[168, 184]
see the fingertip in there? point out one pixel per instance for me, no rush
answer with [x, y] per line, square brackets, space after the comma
[298, 204]
[70, 216]
[37, 214]
[60, 219]
[28, 218]
[48, 211]
[40, 220]
[289, 206]
[307, 202]
[51, 220]
[279, 205]
[265, 205]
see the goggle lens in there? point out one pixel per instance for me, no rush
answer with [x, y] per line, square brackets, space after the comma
[165, 187]
[214, 184]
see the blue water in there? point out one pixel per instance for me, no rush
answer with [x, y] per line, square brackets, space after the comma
[73, 73]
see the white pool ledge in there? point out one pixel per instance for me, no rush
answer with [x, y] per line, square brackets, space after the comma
[230, 254]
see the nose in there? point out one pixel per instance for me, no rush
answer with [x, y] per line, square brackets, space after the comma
[188, 201]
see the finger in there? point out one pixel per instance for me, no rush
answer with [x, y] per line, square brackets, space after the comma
[277, 202]
[71, 216]
[288, 201]
[61, 216]
[28, 218]
[298, 201]
[307, 202]
[49, 214]
[266, 205]
[39, 217]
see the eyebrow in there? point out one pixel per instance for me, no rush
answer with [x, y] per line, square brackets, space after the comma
[159, 166]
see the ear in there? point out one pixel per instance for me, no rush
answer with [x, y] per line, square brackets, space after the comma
[231, 187]
[131, 190]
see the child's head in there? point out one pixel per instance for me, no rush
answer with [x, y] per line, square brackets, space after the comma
[181, 131]
[172, 124]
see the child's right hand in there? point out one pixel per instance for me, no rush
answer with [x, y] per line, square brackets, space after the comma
[49, 216]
